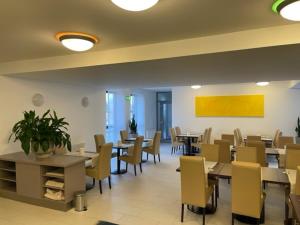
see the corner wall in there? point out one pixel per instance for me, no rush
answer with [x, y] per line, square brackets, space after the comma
[282, 107]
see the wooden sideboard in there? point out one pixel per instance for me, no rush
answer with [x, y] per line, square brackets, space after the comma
[23, 178]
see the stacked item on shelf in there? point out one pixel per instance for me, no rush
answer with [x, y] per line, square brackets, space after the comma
[54, 195]
[54, 190]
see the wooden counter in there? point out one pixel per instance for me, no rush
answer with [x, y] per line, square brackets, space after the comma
[23, 178]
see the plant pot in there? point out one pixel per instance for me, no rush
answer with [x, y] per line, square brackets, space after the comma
[297, 140]
[133, 135]
[41, 154]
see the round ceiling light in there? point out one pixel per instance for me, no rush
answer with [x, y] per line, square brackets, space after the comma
[76, 41]
[196, 87]
[135, 5]
[262, 83]
[288, 9]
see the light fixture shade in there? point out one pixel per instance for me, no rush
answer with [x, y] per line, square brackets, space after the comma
[135, 5]
[262, 83]
[196, 87]
[76, 41]
[288, 9]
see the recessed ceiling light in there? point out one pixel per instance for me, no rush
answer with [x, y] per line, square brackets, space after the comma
[196, 87]
[263, 83]
[288, 9]
[135, 5]
[76, 41]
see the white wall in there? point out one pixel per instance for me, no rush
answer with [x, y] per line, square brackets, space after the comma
[15, 97]
[282, 107]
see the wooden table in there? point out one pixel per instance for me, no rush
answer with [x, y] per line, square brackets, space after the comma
[133, 140]
[295, 201]
[119, 148]
[188, 143]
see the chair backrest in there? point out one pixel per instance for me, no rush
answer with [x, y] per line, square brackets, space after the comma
[246, 189]
[253, 138]
[236, 137]
[137, 149]
[224, 150]
[177, 130]
[124, 136]
[246, 154]
[99, 141]
[276, 137]
[103, 165]
[284, 140]
[240, 135]
[293, 146]
[193, 181]
[210, 152]
[228, 137]
[297, 185]
[204, 137]
[173, 135]
[156, 142]
[292, 159]
[261, 151]
[209, 135]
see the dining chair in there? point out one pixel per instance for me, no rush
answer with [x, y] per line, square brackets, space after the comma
[261, 151]
[195, 189]
[297, 184]
[101, 168]
[124, 136]
[224, 150]
[177, 130]
[211, 152]
[175, 143]
[293, 146]
[99, 141]
[246, 178]
[275, 143]
[241, 139]
[292, 159]
[228, 137]
[238, 140]
[208, 141]
[247, 154]
[136, 157]
[284, 140]
[202, 139]
[154, 149]
[253, 138]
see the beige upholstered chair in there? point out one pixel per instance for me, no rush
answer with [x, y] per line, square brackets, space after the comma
[275, 142]
[246, 178]
[238, 140]
[101, 169]
[175, 143]
[292, 160]
[224, 150]
[210, 152]
[284, 140]
[202, 139]
[136, 156]
[177, 130]
[208, 140]
[261, 151]
[228, 137]
[99, 141]
[247, 154]
[195, 189]
[293, 146]
[253, 138]
[297, 185]
[241, 139]
[154, 149]
[124, 136]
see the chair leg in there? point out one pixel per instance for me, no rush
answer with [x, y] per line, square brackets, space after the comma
[154, 159]
[109, 182]
[159, 157]
[141, 169]
[182, 212]
[232, 218]
[126, 167]
[204, 209]
[100, 186]
[147, 156]
[93, 182]
[134, 170]
[213, 200]
[172, 151]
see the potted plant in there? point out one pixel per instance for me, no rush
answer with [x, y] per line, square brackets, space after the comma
[133, 127]
[41, 135]
[298, 131]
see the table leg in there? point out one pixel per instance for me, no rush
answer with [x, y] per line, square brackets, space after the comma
[118, 171]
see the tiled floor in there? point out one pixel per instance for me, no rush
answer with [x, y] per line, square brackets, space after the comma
[150, 198]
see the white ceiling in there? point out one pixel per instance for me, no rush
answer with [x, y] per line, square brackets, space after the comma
[28, 27]
[263, 64]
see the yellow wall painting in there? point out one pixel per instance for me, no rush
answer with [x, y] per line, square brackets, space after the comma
[230, 106]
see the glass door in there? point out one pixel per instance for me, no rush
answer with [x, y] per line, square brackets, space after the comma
[164, 114]
[109, 132]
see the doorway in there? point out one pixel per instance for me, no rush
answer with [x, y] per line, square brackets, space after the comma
[164, 114]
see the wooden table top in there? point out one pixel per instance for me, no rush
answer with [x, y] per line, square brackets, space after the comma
[133, 139]
[269, 151]
[186, 135]
[54, 160]
[295, 200]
